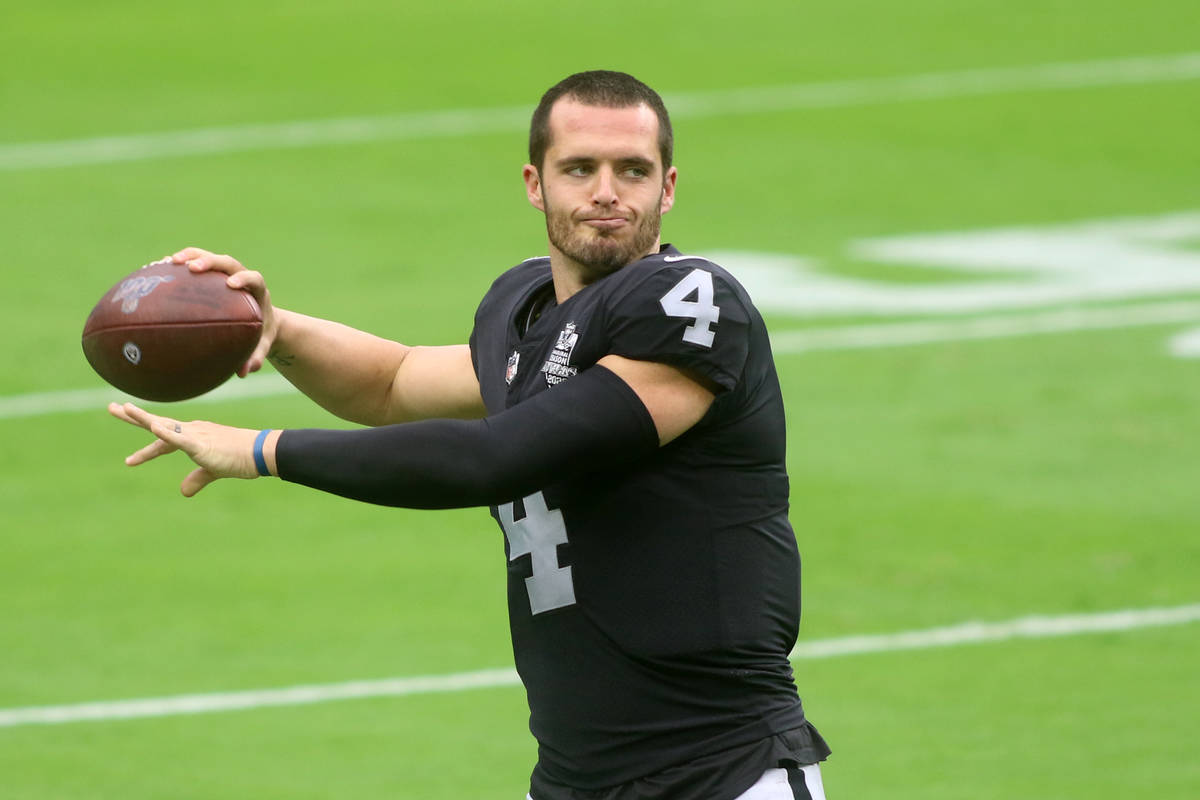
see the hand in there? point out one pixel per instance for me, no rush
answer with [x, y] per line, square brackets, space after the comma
[220, 451]
[198, 260]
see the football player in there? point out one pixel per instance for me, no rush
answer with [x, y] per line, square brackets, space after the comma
[618, 409]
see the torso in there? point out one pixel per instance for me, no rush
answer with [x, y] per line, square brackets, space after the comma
[652, 611]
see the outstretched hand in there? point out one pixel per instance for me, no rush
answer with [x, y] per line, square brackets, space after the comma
[218, 450]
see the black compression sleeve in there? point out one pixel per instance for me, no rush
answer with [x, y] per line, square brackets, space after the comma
[592, 421]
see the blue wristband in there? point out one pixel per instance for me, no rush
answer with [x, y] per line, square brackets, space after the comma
[260, 463]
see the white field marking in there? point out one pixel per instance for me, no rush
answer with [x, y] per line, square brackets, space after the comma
[471, 121]
[1185, 345]
[1034, 627]
[42, 403]
[850, 337]
[1034, 266]
[257, 698]
[899, 334]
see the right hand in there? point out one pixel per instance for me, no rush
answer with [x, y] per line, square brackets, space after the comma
[198, 260]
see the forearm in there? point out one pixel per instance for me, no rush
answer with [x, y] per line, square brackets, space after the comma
[369, 380]
[346, 371]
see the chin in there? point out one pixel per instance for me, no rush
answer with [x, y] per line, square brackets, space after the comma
[602, 253]
[606, 260]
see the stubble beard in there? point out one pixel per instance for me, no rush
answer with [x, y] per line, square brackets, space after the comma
[601, 252]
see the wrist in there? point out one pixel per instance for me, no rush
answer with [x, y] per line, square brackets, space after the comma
[280, 352]
[263, 452]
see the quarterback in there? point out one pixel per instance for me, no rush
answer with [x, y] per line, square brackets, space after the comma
[618, 410]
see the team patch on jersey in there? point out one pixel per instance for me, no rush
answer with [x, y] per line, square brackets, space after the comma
[558, 366]
[514, 362]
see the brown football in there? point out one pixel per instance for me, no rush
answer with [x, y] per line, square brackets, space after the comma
[166, 333]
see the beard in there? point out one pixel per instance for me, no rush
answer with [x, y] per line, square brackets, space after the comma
[602, 252]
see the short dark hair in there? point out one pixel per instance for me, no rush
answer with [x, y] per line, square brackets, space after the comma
[599, 88]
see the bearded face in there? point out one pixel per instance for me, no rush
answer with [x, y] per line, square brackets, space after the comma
[603, 249]
[603, 188]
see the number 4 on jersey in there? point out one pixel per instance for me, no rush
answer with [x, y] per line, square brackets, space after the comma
[675, 303]
[538, 534]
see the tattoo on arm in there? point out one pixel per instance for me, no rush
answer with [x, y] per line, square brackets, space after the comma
[281, 359]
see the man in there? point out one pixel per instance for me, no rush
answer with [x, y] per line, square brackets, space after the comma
[618, 409]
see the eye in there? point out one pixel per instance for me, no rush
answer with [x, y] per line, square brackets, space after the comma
[578, 171]
[637, 172]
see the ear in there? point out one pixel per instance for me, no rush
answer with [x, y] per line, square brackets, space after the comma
[668, 193]
[533, 187]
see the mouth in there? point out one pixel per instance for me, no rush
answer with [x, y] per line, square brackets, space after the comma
[606, 223]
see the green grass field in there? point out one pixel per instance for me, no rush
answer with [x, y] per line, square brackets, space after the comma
[934, 483]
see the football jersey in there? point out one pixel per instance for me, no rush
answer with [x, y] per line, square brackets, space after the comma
[652, 608]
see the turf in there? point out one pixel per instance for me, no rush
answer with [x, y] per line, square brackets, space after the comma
[930, 484]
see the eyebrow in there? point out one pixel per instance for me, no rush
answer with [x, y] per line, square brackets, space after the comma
[625, 161]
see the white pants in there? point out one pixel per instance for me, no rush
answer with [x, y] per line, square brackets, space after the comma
[773, 785]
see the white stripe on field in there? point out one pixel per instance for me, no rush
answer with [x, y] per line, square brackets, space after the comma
[41, 403]
[1035, 627]
[256, 698]
[852, 337]
[898, 334]
[470, 121]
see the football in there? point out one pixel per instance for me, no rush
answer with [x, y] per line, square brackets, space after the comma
[165, 333]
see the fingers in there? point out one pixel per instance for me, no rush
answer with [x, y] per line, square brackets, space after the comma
[130, 413]
[253, 364]
[218, 450]
[198, 260]
[259, 356]
[172, 436]
[183, 255]
[151, 451]
[163, 429]
[135, 416]
[196, 480]
[118, 411]
[252, 281]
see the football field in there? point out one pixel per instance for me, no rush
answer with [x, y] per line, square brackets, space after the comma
[973, 228]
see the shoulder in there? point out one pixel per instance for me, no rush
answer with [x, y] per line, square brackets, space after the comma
[683, 310]
[680, 286]
[518, 279]
[512, 286]
[671, 273]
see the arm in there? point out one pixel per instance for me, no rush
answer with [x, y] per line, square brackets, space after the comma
[355, 375]
[373, 381]
[676, 399]
[598, 420]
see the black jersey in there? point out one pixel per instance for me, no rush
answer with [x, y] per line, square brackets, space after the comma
[652, 608]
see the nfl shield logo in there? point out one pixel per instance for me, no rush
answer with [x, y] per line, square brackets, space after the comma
[511, 372]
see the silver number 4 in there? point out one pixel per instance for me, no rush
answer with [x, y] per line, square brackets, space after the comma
[675, 304]
[538, 534]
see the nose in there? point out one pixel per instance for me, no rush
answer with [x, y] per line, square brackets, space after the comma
[604, 192]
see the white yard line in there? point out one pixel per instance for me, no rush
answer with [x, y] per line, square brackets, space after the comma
[900, 334]
[42, 403]
[1035, 627]
[256, 698]
[471, 121]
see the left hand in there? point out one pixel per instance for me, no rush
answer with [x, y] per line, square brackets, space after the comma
[218, 450]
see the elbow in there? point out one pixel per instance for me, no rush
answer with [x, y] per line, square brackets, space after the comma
[492, 479]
